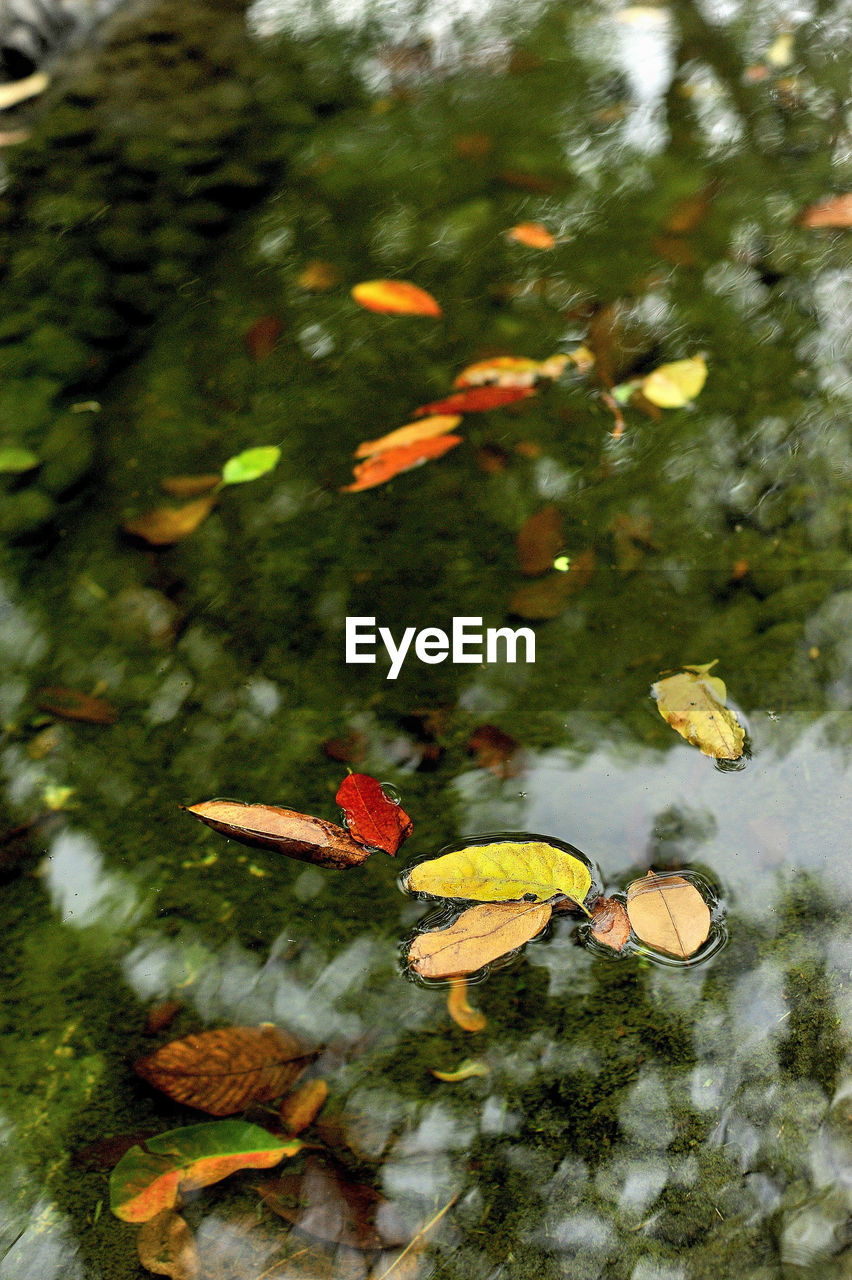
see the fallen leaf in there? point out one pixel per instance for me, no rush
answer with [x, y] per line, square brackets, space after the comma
[14, 460]
[262, 337]
[610, 923]
[328, 1205]
[491, 458]
[461, 1010]
[373, 819]
[479, 935]
[167, 1247]
[16, 91]
[251, 464]
[412, 433]
[164, 526]
[393, 462]
[523, 180]
[148, 1180]
[70, 704]
[395, 297]
[834, 211]
[549, 596]
[104, 1153]
[631, 536]
[473, 146]
[494, 750]
[297, 835]
[504, 871]
[161, 1016]
[689, 213]
[318, 276]
[540, 539]
[301, 1107]
[500, 371]
[222, 1071]
[189, 486]
[669, 914]
[693, 703]
[470, 1069]
[476, 400]
[673, 385]
[534, 235]
[348, 750]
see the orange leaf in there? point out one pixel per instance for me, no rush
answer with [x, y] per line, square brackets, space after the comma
[461, 1012]
[166, 525]
[395, 297]
[475, 400]
[534, 235]
[318, 276]
[391, 462]
[190, 486]
[835, 211]
[425, 429]
[68, 704]
[300, 1108]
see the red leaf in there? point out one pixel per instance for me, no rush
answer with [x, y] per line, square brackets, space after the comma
[476, 400]
[372, 817]
[262, 337]
[392, 462]
[70, 704]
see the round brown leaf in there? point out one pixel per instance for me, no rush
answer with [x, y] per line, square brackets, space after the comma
[669, 914]
[167, 1247]
[610, 923]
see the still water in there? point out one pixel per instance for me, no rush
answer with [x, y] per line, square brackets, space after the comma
[181, 234]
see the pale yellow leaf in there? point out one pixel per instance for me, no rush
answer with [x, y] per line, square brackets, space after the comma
[669, 914]
[504, 871]
[674, 385]
[693, 703]
[480, 935]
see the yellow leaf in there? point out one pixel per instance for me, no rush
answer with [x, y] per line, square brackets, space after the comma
[674, 385]
[423, 429]
[468, 1070]
[504, 871]
[693, 703]
[669, 914]
[512, 371]
[478, 936]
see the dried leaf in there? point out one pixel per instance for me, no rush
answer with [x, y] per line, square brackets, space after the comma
[318, 276]
[693, 703]
[412, 433]
[222, 1071]
[164, 526]
[251, 464]
[166, 1246]
[147, 1181]
[372, 817]
[480, 935]
[476, 400]
[348, 750]
[549, 596]
[460, 1009]
[262, 337]
[504, 871]
[395, 297]
[189, 486]
[326, 1204]
[392, 462]
[610, 923]
[161, 1016]
[300, 1108]
[494, 750]
[470, 1069]
[673, 385]
[834, 211]
[540, 539]
[70, 704]
[534, 235]
[297, 835]
[669, 914]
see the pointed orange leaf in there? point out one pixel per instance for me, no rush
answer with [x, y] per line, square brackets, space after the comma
[411, 433]
[475, 400]
[395, 297]
[391, 462]
[534, 235]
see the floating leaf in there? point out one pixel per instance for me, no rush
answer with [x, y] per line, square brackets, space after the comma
[297, 835]
[669, 914]
[500, 371]
[222, 1071]
[262, 337]
[470, 1069]
[166, 525]
[372, 817]
[549, 596]
[610, 923]
[673, 385]
[395, 297]
[461, 1010]
[70, 704]
[162, 1015]
[148, 1180]
[251, 464]
[494, 750]
[480, 935]
[328, 1205]
[834, 211]
[534, 235]
[476, 400]
[166, 1246]
[540, 540]
[15, 460]
[300, 1108]
[504, 871]
[392, 462]
[190, 486]
[410, 434]
[693, 703]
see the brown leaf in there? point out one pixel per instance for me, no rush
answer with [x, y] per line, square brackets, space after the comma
[326, 1204]
[549, 596]
[480, 934]
[631, 536]
[297, 835]
[491, 458]
[222, 1071]
[164, 526]
[540, 539]
[610, 923]
[494, 750]
[105, 1153]
[689, 213]
[300, 1108]
[348, 750]
[460, 1009]
[190, 486]
[669, 914]
[167, 1247]
[161, 1016]
[70, 704]
[262, 337]
[834, 211]
[473, 146]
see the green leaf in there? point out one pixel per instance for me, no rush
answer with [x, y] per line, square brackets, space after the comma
[504, 872]
[251, 464]
[14, 460]
[145, 1182]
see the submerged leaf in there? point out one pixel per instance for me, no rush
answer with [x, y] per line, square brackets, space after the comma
[300, 1108]
[190, 486]
[534, 235]
[548, 597]
[371, 816]
[504, 871]
[318, 276]
[540, 539]
[470, 1069]
[476, 400]
[14, 460]
[70, 704]
[395, 297]
[297, 835]
[673, 385]
[166, 525]
[222, 1071]
[251, 464]
[693, 703]
[834, 211]
[461, 1010]
[166, 1246]
[411, 433]
[327, 1204]
[392, 462]
[494, 750]
[262, 337]
[669, 914]
[610, 923]
[480, 935]
[147, 1181]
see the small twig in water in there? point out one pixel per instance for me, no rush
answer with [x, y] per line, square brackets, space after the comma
[420, 1235]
